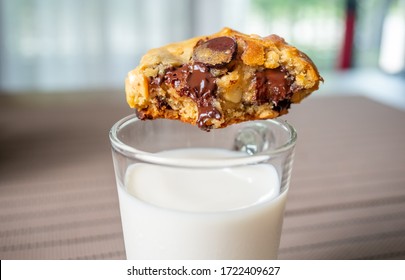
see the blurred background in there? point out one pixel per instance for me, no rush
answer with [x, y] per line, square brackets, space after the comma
[62, 70]
[57, 46]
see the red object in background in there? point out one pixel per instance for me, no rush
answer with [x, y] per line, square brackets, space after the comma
[346, 55]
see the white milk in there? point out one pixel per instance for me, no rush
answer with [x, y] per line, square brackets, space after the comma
[182, 213]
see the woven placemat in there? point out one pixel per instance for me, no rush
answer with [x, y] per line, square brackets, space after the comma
[58, 197]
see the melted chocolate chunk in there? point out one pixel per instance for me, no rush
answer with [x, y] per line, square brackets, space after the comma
[221, 44]
[197, 82]
[272, 86]
[201, 82]
[206, 113]
[215, 52]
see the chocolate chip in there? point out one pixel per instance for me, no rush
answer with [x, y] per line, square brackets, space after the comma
[215, 52]
[197, 82]
[272, 85]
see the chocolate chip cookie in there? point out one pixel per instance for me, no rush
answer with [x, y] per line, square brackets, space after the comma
[217, 80]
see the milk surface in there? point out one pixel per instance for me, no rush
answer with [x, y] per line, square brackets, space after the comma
[202, 190]
[201, 213]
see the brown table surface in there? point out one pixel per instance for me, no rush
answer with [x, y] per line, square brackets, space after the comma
[58, 197]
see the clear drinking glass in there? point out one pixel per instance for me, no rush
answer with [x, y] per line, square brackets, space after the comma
[190, 194]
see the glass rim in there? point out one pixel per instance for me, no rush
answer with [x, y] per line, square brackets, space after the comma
[155, 158]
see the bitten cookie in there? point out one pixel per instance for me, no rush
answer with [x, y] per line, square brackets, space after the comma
[217, 80]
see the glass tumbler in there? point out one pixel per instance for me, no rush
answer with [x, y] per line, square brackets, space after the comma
[191, 194]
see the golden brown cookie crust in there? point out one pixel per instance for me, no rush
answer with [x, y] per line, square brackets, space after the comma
[245, 77]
